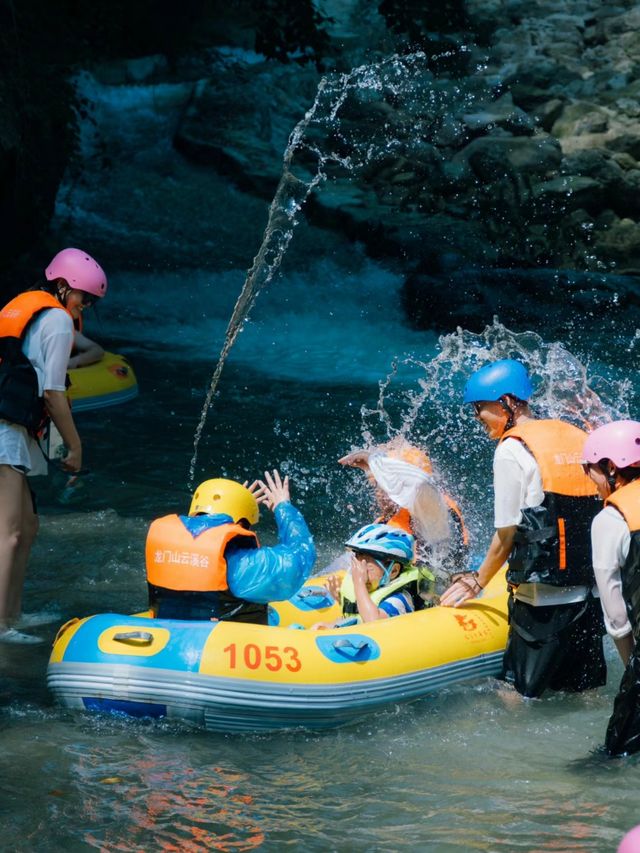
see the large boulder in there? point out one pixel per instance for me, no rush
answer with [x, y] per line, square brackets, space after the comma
[239, 121]
[619, 242]
[532, 155]
[501, 113]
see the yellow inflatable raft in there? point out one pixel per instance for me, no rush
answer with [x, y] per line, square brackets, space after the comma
[238, 677]
[106, 383]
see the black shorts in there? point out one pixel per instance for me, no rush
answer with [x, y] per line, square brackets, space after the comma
[204, 606]
[623, 731]
[557, 647]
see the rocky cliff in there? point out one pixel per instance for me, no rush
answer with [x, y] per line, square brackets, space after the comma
[506, 139]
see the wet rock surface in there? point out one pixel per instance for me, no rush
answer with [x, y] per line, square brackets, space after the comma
[515, 144]
[528, 155]
[239, 121]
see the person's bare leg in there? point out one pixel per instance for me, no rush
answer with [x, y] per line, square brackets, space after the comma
[13, 550]
[29, 530]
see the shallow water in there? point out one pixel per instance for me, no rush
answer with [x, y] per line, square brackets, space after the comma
[470, 768]
[466, 769]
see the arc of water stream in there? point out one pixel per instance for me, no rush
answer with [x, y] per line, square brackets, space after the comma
[291, 194]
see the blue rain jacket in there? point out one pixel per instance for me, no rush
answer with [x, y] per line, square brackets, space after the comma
[271, 573]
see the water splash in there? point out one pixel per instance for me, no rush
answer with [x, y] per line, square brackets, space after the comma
[432, 417]
[563, 387]
[325, 143]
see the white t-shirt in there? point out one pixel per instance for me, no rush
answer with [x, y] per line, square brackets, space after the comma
[517, 484]
[610, 541]
[47, 345]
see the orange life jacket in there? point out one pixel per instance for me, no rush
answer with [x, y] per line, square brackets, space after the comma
[627, 501]
[20, 400]
[402, 519]
[22, 309]
[552, 542]
[177, 560]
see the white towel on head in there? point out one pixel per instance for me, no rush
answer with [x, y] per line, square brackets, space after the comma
[398, 479]
[413, 489]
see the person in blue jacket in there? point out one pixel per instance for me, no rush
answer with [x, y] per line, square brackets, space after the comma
[210, 565]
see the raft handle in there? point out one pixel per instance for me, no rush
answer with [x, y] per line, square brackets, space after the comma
[64, 628]
[314, 593]
[134, 638]
[350, 648]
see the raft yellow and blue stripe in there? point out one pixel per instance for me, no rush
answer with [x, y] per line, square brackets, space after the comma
[106, 383]
[239, 677]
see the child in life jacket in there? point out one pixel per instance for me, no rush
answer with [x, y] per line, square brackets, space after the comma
[381, 582]
[209, 564]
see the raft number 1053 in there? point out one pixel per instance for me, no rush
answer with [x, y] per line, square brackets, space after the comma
[254, 657]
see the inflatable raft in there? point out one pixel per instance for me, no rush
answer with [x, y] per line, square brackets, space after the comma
[106, 383]
[238, 677]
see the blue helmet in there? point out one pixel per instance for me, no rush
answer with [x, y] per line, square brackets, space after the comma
[491, 382]
[384, 541]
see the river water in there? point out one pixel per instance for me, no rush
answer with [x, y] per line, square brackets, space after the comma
[469, 768]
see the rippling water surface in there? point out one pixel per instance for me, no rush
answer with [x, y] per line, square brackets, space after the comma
[466, 769]
[469, 768]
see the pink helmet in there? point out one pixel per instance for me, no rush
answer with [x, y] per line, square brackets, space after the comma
[631, 841]
[79, 270]
[618, 441]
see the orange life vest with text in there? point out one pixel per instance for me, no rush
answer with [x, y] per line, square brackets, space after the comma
[20, 399]
[177, 560]
[552, 544]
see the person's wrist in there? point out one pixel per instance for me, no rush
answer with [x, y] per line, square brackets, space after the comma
[469, 580]
[472, 578]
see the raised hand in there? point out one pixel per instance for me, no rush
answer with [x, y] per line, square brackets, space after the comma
[272, 490]
[333, 585]
[359, 571]
[254, 488]
[356, 459]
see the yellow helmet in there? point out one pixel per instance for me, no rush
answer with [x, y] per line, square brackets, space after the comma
[225, 497]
